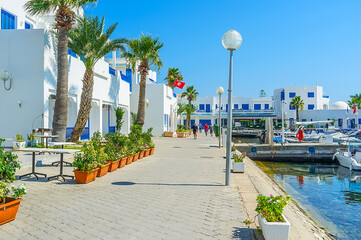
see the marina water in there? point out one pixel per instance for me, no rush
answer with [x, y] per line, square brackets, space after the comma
[330, 194]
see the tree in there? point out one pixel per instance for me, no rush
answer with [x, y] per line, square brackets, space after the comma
[119, 113]
[144, 51]
[189, 109]
[91, 44]
[64, 18]
[298, 103]
[191, 95]
[181, 108]
[173, 76]
[355, 100]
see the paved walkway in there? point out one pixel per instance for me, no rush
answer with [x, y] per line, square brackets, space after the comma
[177, 193]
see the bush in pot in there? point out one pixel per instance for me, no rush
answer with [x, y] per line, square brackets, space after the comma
[85, 163]
[273, 223]
[239, 164]
[102, 163]
[20, 143]
[10, 196]
[112, 152]
[31, 140]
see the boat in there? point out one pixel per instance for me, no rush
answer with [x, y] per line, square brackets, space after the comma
[351, 158]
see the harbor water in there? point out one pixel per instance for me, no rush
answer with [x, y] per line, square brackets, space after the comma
[330, 194]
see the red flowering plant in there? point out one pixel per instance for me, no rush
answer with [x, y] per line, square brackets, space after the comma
[239, 157]
[271, 208]
[86, 160]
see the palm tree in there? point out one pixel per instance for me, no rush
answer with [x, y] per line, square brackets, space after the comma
[191, 95]
[189, 109]
[64, 22]
[355, 100]
[173, 76]
[91, 44]
[144, 51]
[297, 102]
[181, 108]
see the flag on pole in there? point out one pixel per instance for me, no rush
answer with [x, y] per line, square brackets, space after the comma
[179, 84]
[354, 109]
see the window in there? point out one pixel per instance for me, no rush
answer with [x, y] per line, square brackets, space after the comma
[359, 121]
[257, 107]
[292, 94]
[128, 72]
[208, 107]
[216, 106]
[303, 120]
[201, 107]
[292, 107]
[111, 71]
[226, 107]
[8, 21]
[28, 25]
[245, 106]
[266, 106]
[340, 122]
[311, 94]
[71, 53]
[282, 95]
[235, 106]
[311, 106]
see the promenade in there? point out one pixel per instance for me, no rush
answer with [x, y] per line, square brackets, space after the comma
[178, 193]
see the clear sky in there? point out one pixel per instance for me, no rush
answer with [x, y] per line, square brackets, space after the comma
[285, 42]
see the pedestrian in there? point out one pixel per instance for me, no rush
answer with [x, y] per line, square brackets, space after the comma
[200, 127]
[206, 128]
[211, 129]
[195, 130]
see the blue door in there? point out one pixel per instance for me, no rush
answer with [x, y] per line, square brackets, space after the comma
[110, 128]
[204, 121]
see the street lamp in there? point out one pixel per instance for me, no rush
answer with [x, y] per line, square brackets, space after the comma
[231, 41]
[220, 91]
[6, 76]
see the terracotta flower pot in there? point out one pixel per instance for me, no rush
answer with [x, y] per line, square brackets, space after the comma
[130, 160]
[113, 165]
[141, 154]
[122, 162]
[8, 210]
[83, 177]
[102, 171]
[151, 151]
[136, 156]
[146, 154]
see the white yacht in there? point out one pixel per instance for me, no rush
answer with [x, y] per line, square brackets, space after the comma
[351, 158]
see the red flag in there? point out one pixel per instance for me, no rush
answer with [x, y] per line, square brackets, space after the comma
[354, 109]
[179, 84]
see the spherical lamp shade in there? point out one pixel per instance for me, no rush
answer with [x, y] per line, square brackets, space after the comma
[220, 90]
[146, 101]
[232, 40]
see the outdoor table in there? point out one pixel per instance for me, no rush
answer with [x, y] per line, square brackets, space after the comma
[47, 137]
[61, 152]
[62, 144]
[33, 151]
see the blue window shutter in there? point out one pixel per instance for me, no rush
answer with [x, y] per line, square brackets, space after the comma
[235, 106]
[201, 107]
[292, 107]
[8, 21]
[245, 106]
[292, 94]
[311, 94]
[257, 107]
[28, 25]
[311, 106]
[266, 106]
[282, 95]
[128, 72]
[216, 106]
[226, 107]
[208, 108]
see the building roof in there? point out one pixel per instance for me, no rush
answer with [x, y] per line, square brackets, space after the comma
[340, 105]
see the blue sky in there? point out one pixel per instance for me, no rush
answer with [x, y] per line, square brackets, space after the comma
[285, 43]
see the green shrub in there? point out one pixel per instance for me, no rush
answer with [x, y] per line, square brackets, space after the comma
[271, 208]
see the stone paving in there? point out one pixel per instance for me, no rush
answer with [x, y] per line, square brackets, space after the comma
[177, 193]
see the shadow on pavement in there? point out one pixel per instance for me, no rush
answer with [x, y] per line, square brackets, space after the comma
[168, 184]
[241, 233]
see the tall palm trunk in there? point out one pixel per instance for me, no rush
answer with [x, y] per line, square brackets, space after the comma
[188, 122]
[141, 103]
[297, 114]
[61, 103]
[85, 105]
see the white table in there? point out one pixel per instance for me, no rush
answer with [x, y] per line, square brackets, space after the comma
[46, 138]
[62, 144]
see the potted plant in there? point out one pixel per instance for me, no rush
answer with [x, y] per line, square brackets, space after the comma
[168, 134]
[239, 164]
[182, 133]
[152, 146]
[10, 197]
[102, 164]
[123, 161]
[273, 223]
[85, 163]
[233, 150]
[113, 156]
[20, 143]
[147, 151]
[31, 140]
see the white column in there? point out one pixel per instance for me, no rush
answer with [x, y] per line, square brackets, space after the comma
[101, 116]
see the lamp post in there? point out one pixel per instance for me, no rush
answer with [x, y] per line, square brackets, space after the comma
[231, 41]
[5, 76]
[220, 91]
[283, 121]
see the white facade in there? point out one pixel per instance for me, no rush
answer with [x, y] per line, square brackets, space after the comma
[313, 98]
[30, 56]
[160, 112]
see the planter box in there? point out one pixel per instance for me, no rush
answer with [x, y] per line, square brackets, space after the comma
[83, 177]
[122, 162]
[146, 154]
[31, 143]
[235, 152]
[8, 210]
[102, 171]
[135, 157]
[141, 155]
[274, 230]
[182, 134]
[169, 134]
[238, 167]
[151, 151]
[18, 145]
[130, 160]
[113, 165]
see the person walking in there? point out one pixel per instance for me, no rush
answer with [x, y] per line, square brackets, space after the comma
[211, 129]
[206, 128]
[200, 127]
[195, 130]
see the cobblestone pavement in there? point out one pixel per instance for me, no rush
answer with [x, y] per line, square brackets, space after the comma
[177, 193]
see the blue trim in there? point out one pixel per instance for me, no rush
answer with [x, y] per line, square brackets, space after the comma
[293, 107]
[111, 71]
[235, 106]
[174, 95]
[311, 94]
[28, 25]
[71, 53]
[126, 79]
[292, 94]
[324, 96]
[151, 80]
[8, 21]
[282, 95]
[311, 106]
[85, 134]
[128, 73]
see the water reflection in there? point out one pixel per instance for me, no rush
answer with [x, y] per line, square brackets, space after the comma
[330, 193]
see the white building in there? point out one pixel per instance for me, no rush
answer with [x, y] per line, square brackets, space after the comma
[161, 110]
[313, 98]
[28, 52]
[208, 108]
